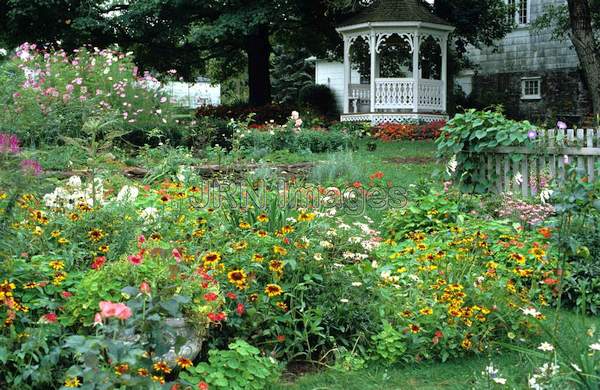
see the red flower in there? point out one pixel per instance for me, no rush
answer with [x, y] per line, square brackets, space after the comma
[66, 294]
[240, 309]
[135, 259]
[550, 281]
[280, 338]
[437, 336]
[50, 317]
[98, 262]
[210, 297]
[217, 317]
[357, 184]
[176, 255]
[202, 386]
[376, 175]
[231, 296]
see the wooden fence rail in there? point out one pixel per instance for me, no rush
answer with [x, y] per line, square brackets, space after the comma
[543, 163]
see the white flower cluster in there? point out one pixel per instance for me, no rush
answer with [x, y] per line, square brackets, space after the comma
[354, 256]
[492, 373]
[542, 376]
[74, 193]
[530, 311]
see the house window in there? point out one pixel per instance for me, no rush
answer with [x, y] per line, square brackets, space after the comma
[519, 11]
[531, 88]
[523, 15]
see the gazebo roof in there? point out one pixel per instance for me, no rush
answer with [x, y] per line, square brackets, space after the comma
[394, 11]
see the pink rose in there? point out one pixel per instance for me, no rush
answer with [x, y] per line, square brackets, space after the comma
[145, 288]
[122, 311]
[107, 309]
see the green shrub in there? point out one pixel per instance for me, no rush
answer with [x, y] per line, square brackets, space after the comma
[319, 98]
[241, 367]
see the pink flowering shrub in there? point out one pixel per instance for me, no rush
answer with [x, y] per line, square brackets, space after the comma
[527, 213]
[46, 94]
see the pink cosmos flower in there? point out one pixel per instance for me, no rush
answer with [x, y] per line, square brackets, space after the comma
[9, 143]
[561, 125]
[31, 167]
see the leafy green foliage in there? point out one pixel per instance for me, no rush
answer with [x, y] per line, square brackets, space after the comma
[319, 98]
[241, 367]
[468, 137]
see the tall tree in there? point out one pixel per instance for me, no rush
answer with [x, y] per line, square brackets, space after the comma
[184, 34]
[190, 34]
[579, 21]
[587, 47]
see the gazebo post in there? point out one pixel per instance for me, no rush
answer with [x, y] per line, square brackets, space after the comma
[444, 45]
[372, 49]
[416, 52]
[347, 75]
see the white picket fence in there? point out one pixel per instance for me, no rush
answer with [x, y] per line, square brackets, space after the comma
[539, 166]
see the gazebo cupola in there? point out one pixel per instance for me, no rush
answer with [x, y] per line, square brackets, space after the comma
[408, 50]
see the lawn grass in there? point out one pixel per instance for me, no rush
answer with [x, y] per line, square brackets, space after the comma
[454, 374]
[402, 162]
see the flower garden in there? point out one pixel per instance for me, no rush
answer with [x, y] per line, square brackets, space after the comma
[125, 265]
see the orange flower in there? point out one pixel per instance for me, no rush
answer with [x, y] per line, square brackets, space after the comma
[184, 362]
[546, 232]
[161, 366]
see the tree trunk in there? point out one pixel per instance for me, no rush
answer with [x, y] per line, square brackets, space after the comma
[588, 51]
[259, 73]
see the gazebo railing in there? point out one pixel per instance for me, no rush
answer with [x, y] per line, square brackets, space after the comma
[398, 94]
[394, 93]
[430, 94]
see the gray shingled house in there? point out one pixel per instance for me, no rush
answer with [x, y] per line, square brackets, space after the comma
[533, 75]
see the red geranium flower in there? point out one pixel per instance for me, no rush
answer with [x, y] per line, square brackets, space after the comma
[50, 317]
[135, 259]
[240, 309]
[202, 386]
[210, 296]
[231, 296]
[98, 262]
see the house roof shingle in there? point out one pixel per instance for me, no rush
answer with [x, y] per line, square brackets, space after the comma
[394, 11]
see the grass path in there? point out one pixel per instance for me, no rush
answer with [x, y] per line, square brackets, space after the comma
[456, 374]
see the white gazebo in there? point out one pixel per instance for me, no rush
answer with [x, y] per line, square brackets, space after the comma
[414, 89]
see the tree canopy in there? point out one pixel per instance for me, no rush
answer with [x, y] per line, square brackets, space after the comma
[190, 35]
